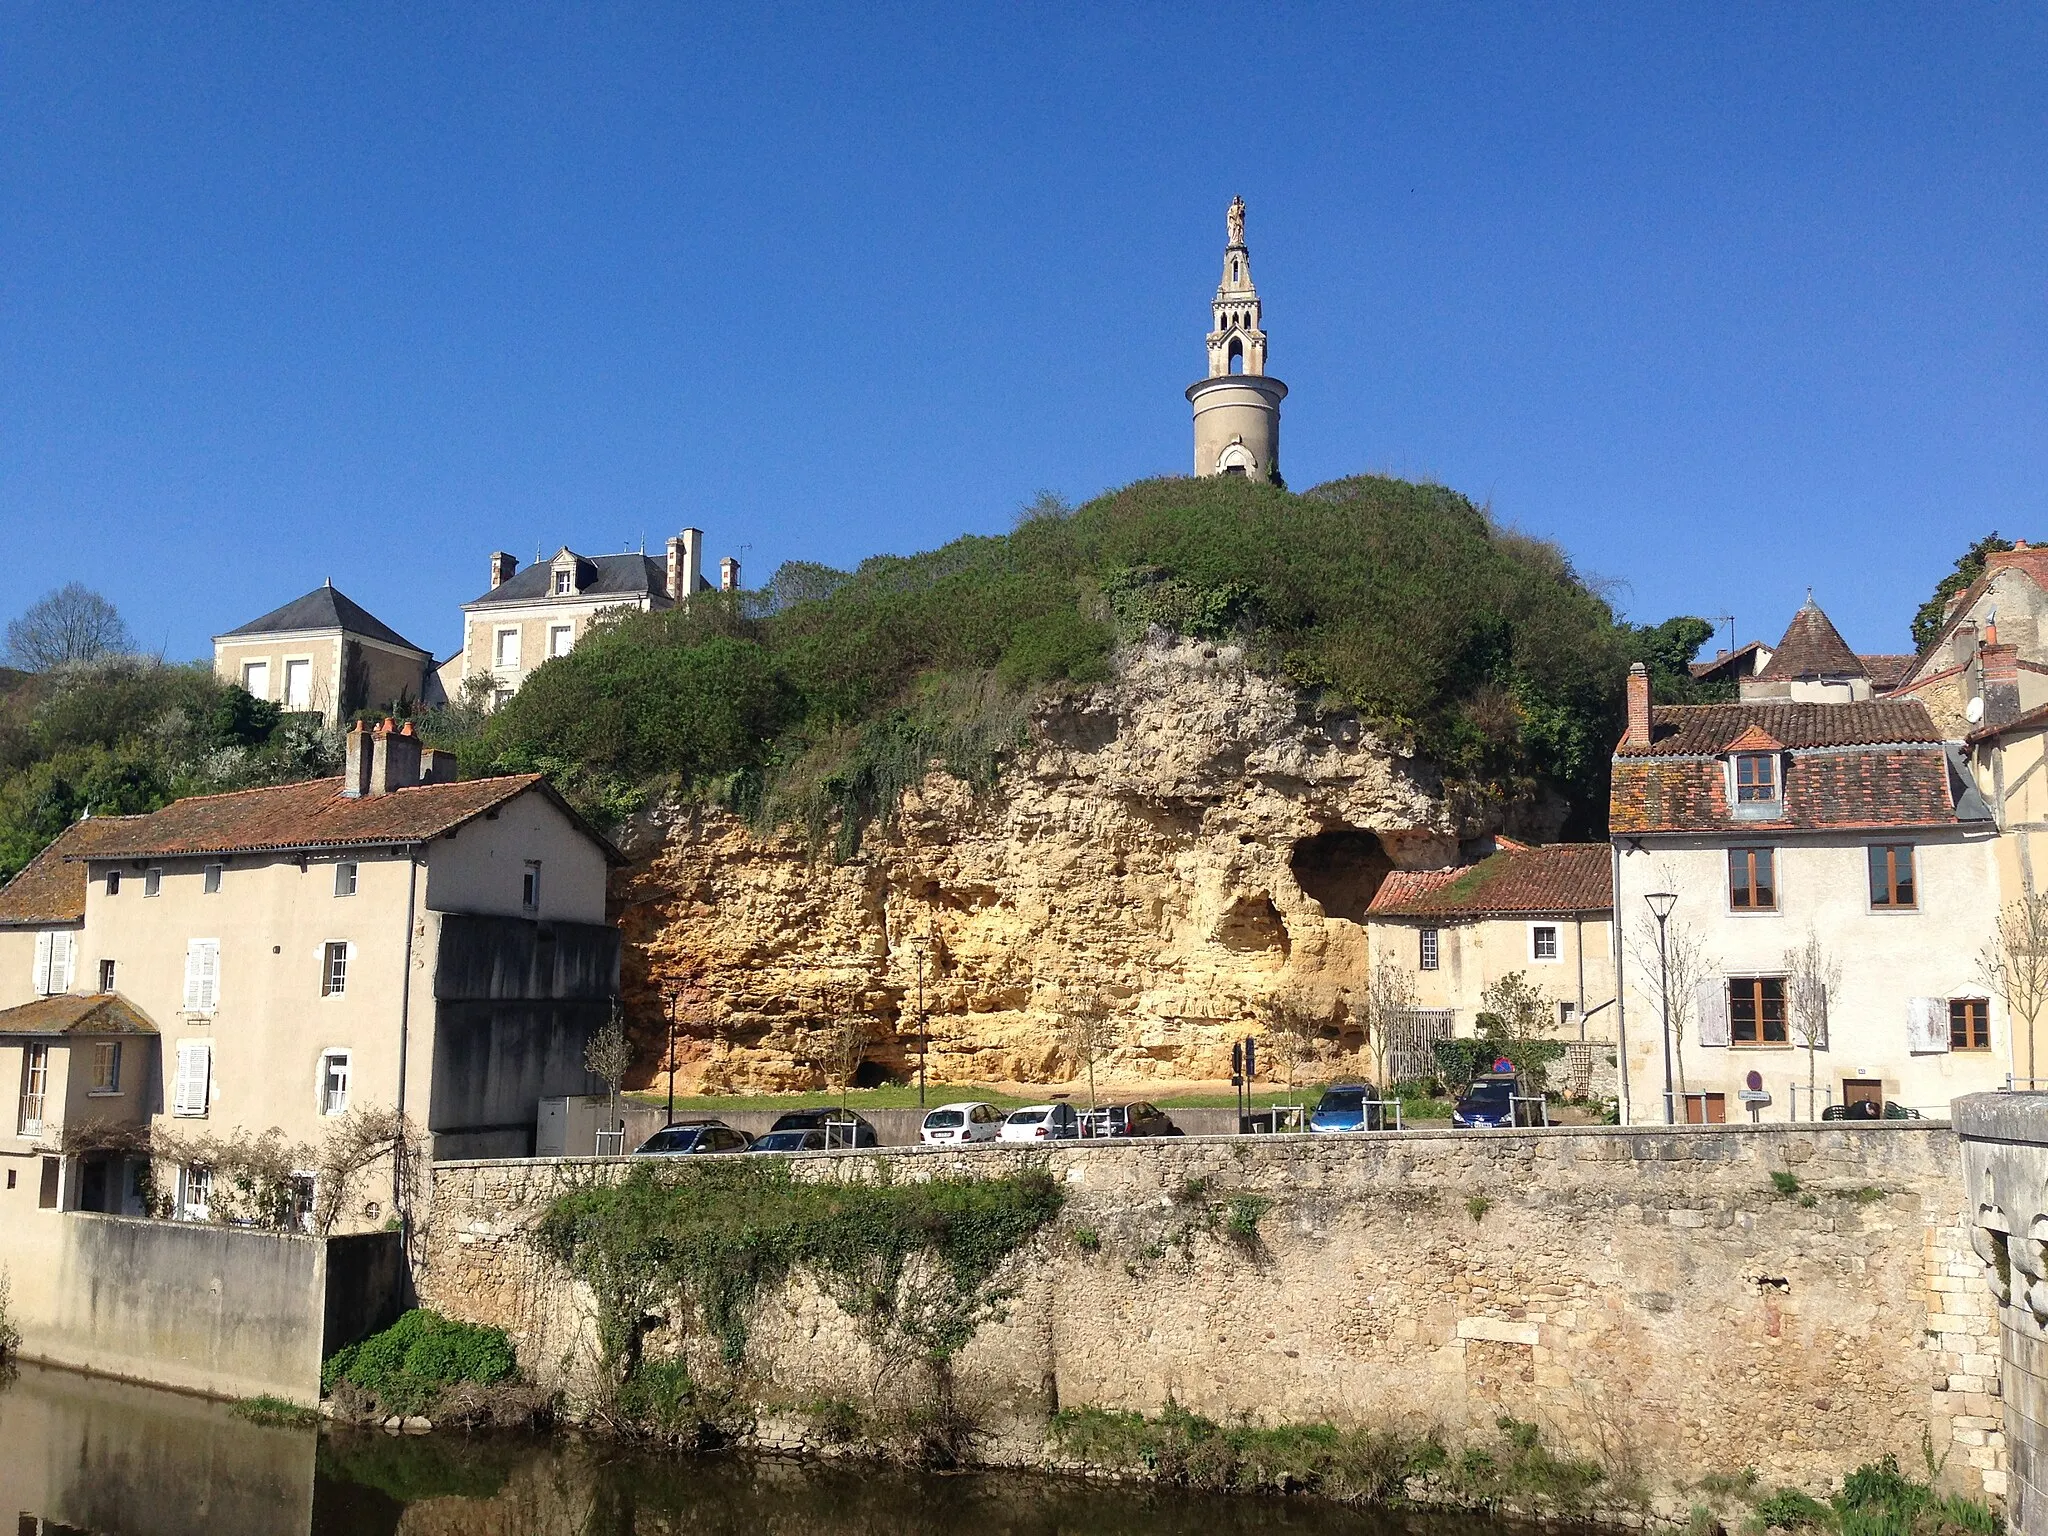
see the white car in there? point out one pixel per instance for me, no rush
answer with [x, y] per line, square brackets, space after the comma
[1042, 1122]
[952, 1125]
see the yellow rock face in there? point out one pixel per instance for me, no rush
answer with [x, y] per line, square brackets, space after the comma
[1175, 845]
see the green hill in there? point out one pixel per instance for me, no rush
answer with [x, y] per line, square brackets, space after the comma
[817, 700]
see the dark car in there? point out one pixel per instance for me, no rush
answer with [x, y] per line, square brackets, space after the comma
[841, 1127]
[1488, 1105]
[812, 1140]
[701, 1136]
[1131, 1120]
[1348, 1107]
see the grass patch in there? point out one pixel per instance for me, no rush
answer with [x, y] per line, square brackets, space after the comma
[407, 1366]
[1877, 1499]
[1784, 1183]
[1241, 1218]
[1476, 1207]
[1087, 1239]
[276, 1412]
[1520, 1469]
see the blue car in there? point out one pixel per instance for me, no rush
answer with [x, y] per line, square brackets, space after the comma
[1489, 1105]
[1345, 1107]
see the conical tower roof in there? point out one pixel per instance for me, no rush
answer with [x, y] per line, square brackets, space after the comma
[1812, 647]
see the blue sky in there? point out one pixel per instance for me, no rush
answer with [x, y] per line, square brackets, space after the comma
[1727, 300]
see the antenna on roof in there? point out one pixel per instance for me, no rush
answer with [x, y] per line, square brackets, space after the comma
[1729, 620]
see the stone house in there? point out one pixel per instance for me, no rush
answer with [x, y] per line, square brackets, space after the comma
[1994, 632]
[322, 654]
[389, 939]
[1772, 823]
[1545, 912]
[529, 617]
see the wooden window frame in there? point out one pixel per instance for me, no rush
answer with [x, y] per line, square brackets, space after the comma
[1743, 885]
[1882, 861]
[1969, 1024]
[1765, 790]
[106, 1069]
[1751, 990]
[35, 1089]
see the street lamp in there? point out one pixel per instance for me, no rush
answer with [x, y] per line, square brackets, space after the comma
[920, 948]
[1661, 903]
[669, 998]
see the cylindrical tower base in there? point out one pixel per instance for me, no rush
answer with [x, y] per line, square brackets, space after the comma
[1237, 425]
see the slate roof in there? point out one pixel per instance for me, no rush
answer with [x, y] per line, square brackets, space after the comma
[50, 889]
[325, 607]
[1560, 878]
[99, 1013]
[1812, 647]
[605, 576]
[315, 815]
[1874, 764]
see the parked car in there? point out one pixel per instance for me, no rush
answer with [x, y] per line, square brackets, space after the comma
[842, 1128]
[961, 1124]
[698, 1136]
[1348, 1107]
[1129, 1120]
[1042, 1122]
[812, 1140]
[1489, 1104]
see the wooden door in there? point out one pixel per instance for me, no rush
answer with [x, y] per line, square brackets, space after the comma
[1867, 1091]
[1706, 1109]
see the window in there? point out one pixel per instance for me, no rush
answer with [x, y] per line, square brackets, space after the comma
[153, 883]
[1430, 939]
[35, 1085]
[560, 638]
[344, 879]
[298, 684]
[113, 882]
[334, 1082]
[106, 975]
[508, 647]
[212, 883]
[1891, 876]
[1969, 1024]
[202, 975]
[194, 1083]
[56, 953]
[53, 1178]
[1543, 947]
[1756, 777]
[529, 886]
[1752, 880]
[334, 970]
[1567, 1015]
[500, 698]
[195, 1192]
[256, 679]
[106, 1066]
[565, 582]
[1756, 1010]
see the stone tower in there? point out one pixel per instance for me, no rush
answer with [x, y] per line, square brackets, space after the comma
[1237, 407]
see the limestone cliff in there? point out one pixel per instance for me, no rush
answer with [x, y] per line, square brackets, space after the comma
[1180, 842]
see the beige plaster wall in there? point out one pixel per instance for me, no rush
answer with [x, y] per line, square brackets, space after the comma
[18, 966]
[533, 621]
[323, 650]
[1239, 408]
[1648, 1299]
[1886, 957]
[482, 867]
[1473, 955]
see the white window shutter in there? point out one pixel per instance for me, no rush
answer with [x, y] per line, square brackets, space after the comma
[191, 980]
[40, 986]
[1710, 1007]
[195, 1062]
[1926, 1024]
[202, 975]
[63, 960]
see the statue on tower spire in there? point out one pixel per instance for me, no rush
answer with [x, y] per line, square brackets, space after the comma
[1236, 219]
[1237, 407]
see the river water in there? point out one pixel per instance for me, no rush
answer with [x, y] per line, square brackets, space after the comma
[81, 1453]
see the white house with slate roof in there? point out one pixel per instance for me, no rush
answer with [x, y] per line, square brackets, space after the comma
[528, 617]
[322, 654]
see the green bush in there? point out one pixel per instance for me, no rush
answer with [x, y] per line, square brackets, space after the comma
[407, 1365]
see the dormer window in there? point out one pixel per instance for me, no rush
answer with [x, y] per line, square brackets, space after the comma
[1756, 778]
[565, 582]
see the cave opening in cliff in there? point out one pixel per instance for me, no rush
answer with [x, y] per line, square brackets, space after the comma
[1340, 869]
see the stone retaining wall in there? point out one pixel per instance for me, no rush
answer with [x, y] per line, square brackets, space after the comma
[1652, 1299]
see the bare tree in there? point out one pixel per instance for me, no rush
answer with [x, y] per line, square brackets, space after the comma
[609, 1055]
[1090, 1030]
[1812, 973]
[1388, 1012]
[846, 1045]
[1687, 963]
[1297, 1028]
[72, 624]
[2014, 964]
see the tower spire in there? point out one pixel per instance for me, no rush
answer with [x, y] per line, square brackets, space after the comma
[1236, 342]
[1237, 407]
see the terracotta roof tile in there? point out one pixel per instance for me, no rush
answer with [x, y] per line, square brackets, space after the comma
[1756, 739]
[1879, 787]
[1709, 729]
[50, 888]
[315, 814]
[1563, 877]
[1812, 647]
[1735, 663]
[98, 1013]
[1886, 671]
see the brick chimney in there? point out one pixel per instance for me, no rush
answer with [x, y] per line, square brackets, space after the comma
[2000, 680]
[502, 567]
[355, 761]
[1638, 732]
[395, 760]
[728, 575]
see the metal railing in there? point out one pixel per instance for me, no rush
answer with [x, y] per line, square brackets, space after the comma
[611, 1143]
